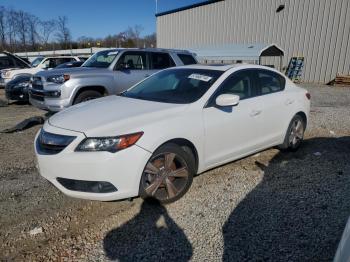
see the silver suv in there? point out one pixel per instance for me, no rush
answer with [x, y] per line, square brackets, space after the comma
[105, 73]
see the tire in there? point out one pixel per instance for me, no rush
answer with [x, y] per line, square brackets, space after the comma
[160, 180]
[294, 135]
[87, 95]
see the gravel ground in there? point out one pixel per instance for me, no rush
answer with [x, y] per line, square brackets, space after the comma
[271, 206]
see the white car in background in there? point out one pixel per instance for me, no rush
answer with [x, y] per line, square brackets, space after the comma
[39, 64]
[153, 138]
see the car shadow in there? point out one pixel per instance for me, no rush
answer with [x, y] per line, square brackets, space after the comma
[151, 235]
[298, 211]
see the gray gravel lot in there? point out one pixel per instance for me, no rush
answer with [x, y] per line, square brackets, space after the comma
[271, 206]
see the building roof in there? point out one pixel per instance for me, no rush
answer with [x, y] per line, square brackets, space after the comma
[245, 52]
[208, 2]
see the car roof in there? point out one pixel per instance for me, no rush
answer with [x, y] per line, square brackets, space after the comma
[224, 67]
[149, 50]
[60, 56]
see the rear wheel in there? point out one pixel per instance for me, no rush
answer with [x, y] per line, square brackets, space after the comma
[294, 135]
[168, 174]
[86, 96]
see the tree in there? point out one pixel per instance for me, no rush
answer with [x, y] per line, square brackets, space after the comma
[63, 33]
[2, 27]
[46, 29]
[22, 27]
[150, 40]
[33, 23]
[133, 33]
[11, 25]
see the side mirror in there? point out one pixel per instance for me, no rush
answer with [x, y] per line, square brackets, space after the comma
[227, 100]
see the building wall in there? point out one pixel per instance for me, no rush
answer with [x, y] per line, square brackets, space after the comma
[319, 30]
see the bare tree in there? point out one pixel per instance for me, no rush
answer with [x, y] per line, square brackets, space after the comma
[133, 33]
[22, 27]
[150, 40]
[63, 34]
[11, 24]
[46, 30]
[33, 23]
[2, 27]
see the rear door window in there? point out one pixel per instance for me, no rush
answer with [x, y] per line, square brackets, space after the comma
[161, 60]
[133, 61]
[269, 82]
[187, 59]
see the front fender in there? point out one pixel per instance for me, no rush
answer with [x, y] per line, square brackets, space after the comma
[188, 128]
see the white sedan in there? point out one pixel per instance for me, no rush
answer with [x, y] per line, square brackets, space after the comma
[153, 138]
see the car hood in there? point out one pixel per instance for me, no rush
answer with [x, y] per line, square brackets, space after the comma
[71, 71]
[18, 71]
[113, 115]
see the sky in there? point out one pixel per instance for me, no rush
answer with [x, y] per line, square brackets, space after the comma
[99, 18]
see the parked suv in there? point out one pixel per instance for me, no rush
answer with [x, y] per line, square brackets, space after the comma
[11, 61]
[105, 73]
[37, 65]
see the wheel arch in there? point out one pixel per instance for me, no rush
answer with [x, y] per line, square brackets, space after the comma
[186, 145]
[101, 89]
[303, 116]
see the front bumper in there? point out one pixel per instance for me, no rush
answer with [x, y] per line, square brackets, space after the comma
[43, 99]
[16, 94]
[122, 169]
[4, 81]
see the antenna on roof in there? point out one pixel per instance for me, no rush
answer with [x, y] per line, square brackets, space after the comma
[156, 6]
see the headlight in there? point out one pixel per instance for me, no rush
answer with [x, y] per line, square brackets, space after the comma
[110, 144]
[6, 74]
[23, 84]
[58, 79]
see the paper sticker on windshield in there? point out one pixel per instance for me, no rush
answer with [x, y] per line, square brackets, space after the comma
[113, 53]
[200, 77]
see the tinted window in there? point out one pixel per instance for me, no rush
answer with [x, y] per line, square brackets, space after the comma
[6, 62]
[269, 82]
[161, 61]
[187, 59]
[132, 61]
[180, 86]
[53, 62]
[239, 83]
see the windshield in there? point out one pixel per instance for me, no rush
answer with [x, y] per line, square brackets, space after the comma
[101, 59]
[37, 61]
[180, 86]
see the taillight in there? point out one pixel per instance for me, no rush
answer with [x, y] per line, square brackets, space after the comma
[308, 96]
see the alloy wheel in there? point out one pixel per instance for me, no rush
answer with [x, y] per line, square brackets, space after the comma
[165, 176]
[296, 133]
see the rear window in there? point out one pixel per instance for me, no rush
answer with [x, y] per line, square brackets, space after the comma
[187, 59]
[161, 61]
[270, 82]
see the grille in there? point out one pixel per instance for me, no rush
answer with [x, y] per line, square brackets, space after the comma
[36, 96]
[37, 83]
[48, 143]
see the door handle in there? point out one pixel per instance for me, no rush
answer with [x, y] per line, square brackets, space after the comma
[146, 75]
[289, 102]
[255, 112]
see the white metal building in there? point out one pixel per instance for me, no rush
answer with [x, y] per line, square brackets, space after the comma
[318, 30]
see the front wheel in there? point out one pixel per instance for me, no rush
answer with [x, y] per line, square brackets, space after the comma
[86, 96]
[294, 135]
[168, 174]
